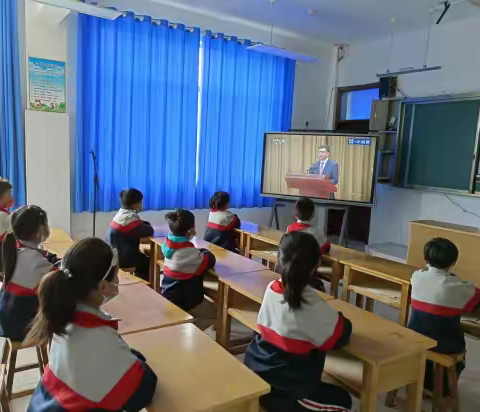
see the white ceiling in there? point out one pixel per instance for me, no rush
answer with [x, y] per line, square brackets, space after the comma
[336, 20]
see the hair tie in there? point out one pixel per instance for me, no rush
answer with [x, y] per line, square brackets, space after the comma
[65, 271]
[9, 231]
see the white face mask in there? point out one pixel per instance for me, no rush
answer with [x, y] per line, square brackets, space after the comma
[44, 233]
[115, 292]
[113, 295]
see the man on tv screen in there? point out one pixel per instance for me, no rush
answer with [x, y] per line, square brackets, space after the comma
[325, 166]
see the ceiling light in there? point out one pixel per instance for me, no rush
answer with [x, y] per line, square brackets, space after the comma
[267, 49]
[409, 70]
[83, 8]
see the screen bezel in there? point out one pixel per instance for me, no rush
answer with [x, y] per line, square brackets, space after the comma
[318, 199]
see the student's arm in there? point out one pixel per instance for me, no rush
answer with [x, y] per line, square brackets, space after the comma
[142, 230]
[236, 222]
[145, 391]
[325, 248]
[41, 267]
[208, 260]
[344, 333]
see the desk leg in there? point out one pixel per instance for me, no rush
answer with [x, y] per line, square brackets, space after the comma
[248, 246]
[337, 272]
[369, 304]
[225, 319]
[369, 396]
[359, 301]
[404, 304]
[241, 247]
[218, 326]
[346, 283]
[153, 272]
[415, 389]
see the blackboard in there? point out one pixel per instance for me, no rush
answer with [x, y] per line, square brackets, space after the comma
[438, 144]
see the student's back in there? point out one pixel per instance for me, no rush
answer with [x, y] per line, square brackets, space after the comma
[90, 366]
[25, 266]
[221, 223]
[6, 202]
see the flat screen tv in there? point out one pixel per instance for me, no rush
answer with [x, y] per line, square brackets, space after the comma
[331, 167]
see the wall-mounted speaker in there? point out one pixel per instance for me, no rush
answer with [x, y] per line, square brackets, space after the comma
[388, 87]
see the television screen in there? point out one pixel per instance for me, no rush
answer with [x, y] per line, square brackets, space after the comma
[328, 166]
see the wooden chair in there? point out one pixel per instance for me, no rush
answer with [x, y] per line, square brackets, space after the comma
[3, 394]
[9, 361]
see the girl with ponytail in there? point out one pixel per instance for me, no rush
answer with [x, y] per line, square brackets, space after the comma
[24, 266]
[297, 327]
[90, 366]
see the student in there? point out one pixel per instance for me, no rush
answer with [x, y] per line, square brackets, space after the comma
[6, 202]
[90, 366]
[184, 268]
[304, 212]
[126, 230]
[297, 327]
[25, 265]
[439, 298]
[222, 223]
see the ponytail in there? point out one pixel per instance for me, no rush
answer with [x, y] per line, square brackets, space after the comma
[298, 255]
[9, 257]
[57, 298]
[180, 221]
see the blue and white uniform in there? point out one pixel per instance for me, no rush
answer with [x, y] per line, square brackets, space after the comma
[126, 230]
[290, 352]
[439, 298]
[221, 227]
[92, 368]
[18, 299]
[305, 226]
[184, 268]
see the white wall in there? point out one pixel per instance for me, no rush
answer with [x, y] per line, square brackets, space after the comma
[455, 46]
[50, 34]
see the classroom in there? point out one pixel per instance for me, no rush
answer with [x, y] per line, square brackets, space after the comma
[239, 205]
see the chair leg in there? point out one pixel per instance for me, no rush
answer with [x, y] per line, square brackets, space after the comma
[11, 372]
[437, 401]
[359, 301]
[4, 403]
[40, 359]
[453, 388]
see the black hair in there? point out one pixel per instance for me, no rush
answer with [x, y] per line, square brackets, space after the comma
[59, 292]
[440, 253]
[130, 197]
[305, 208]
[326, 147]
[5, 186]
[180, 221]
[298, 256]
[219, 200]
[25, 223]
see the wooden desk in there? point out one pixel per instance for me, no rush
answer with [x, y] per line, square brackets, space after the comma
[229, 263]
[378, 279]
[466, 238]
[58, 236]
[195, 374]
[140, 308]
[59, 248]
[382, 356]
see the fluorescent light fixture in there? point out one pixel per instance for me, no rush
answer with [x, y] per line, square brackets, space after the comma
[410, 71]
[267, 49]
[84, 8]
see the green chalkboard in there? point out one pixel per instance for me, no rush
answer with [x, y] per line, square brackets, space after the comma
[440, 151]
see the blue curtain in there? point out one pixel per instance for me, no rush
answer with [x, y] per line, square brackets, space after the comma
[244, 94]
[12, 160]
[137, 101]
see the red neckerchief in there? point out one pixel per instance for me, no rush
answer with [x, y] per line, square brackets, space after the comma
[89, 320]
[298, 226]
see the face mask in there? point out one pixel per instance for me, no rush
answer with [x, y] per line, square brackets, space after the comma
[113, 263]
[114, 294]
[44, 233]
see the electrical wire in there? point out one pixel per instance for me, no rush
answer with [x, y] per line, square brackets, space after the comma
[461, 207]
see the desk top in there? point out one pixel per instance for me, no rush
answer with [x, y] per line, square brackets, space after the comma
[382, 268]
[198, 243]
[261, 232]
[229, 263]
[378, 340]
[339, 254]
[140, 308]
[469, 230]
[58, 236]
[254, 284]
[194, 373]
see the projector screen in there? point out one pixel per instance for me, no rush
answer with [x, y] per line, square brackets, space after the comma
[329, 166]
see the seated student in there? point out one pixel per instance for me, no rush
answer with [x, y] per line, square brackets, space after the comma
[184, 269]
[297, 327]
[439, 298]
[304, 212]
[90, 366]
[126, 230]
[25, 265]
[6, 202]
[221, 223]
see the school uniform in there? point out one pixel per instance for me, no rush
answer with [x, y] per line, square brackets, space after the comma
[221, 227]
[289, 353]
[4, 226]
[92, 368]
[126, 230]
[183, 274]
[439, 298]
[305, 226]
[18, 299]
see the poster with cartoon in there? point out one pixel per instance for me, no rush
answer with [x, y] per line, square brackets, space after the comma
[47, 85]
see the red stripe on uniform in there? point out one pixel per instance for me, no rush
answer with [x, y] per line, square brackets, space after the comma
[18, 290]
[232, 225]
[277, 287]
[2, 236]
[297, 226]
[126, 228]
[299, 347]
[436, 309]
[203, 265]
[178, 245]
[325, 248]
[473, 302]
[178, 275]
[337, 333]
[89, 320]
